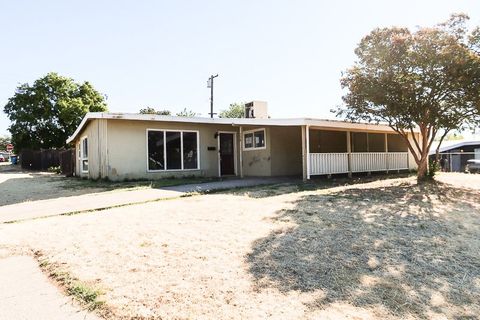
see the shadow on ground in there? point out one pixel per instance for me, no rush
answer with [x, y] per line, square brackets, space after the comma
[293, 185]
[409, 249]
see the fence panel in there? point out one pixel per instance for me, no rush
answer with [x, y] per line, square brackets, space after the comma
[39, 159]
[67, 162]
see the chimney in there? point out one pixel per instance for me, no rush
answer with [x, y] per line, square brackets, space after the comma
[256, 109]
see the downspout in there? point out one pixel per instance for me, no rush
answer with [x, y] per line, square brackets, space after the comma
[241, 151]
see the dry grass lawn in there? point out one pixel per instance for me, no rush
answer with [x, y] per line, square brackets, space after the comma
[386, 249]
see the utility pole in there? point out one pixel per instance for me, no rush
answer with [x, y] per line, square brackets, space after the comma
[210, 85]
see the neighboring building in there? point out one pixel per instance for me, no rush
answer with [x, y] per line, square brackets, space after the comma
[142, 146]
[456, 153]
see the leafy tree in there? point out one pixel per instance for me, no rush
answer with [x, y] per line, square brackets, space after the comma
[427, 79]
[235, 110]
[45, 114]
[149, 110]
[186, 113]
[4, 140]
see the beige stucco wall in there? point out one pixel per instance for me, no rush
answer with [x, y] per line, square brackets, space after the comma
[258, 162]
[286, 151]
[127, 149]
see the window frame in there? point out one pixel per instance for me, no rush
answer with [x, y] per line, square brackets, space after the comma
[181, 131]
[253, 137]
[82, 154]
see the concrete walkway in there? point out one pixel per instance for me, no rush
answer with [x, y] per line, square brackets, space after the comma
[26, 293]
[96, 201]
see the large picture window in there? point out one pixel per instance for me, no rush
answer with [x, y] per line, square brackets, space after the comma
[254, 139]
[172, 150]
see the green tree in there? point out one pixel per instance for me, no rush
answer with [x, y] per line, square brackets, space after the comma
[427, 79]
[4, 140]
[186, 113]
[45, 114]
[149, 110]
[235, 110]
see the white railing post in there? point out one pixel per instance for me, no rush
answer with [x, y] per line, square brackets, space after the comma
[307, 134]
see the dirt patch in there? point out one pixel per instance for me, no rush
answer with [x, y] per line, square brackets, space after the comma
[386, 249]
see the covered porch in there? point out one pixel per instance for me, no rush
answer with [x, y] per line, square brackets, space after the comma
[329, 151]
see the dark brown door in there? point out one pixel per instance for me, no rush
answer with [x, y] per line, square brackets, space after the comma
[227, 159]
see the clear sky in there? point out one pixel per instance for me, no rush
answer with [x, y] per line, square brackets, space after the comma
[160, 53]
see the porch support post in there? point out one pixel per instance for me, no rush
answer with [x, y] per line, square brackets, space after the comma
[241, 151]
[307, 131]
[386, 151]
[304, 155]
[349, 154]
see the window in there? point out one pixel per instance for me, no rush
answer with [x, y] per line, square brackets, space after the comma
[84, 154]
[174, 154]
[190, 154]
[477, 153]
[172, 150]
[156, 155]
[254, 139]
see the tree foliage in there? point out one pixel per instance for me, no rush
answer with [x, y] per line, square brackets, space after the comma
[150, 110]
[4, 140]
[45, 114]
[235, 110]
[427, 79]
[186, 113]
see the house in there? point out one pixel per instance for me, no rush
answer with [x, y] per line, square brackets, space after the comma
[456, 153]
[143, 146]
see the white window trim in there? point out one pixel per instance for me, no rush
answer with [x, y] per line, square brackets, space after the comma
[165, 149]
[253, 142]
[82, 155]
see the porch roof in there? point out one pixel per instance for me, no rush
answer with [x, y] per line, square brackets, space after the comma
[315, 123]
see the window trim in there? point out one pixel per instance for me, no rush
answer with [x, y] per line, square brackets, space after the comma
[253, 142]
[82, 154]
[165, 149]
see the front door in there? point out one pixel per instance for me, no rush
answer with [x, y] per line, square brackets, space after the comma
[227, 154]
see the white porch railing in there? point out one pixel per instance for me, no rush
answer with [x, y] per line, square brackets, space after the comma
[397, 160]
[331, 163]
[328, 163]
[369, 161]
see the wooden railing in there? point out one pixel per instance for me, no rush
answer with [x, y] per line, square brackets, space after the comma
[332, 163]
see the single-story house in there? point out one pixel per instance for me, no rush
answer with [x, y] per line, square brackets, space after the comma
[121, 146]
[456, 153]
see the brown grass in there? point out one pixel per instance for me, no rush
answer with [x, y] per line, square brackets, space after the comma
[387, 249]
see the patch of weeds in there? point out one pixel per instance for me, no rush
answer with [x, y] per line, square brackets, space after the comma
[87, 295]
[145, 244]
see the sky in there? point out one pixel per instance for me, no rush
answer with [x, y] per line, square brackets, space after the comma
[161, 53]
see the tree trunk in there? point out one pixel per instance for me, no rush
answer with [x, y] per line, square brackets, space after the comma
[422, 169]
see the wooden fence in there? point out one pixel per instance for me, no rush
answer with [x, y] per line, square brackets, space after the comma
[47, 158]
[67, 162]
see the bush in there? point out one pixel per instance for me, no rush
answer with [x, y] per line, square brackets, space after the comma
[55, 169]
[433, 167]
